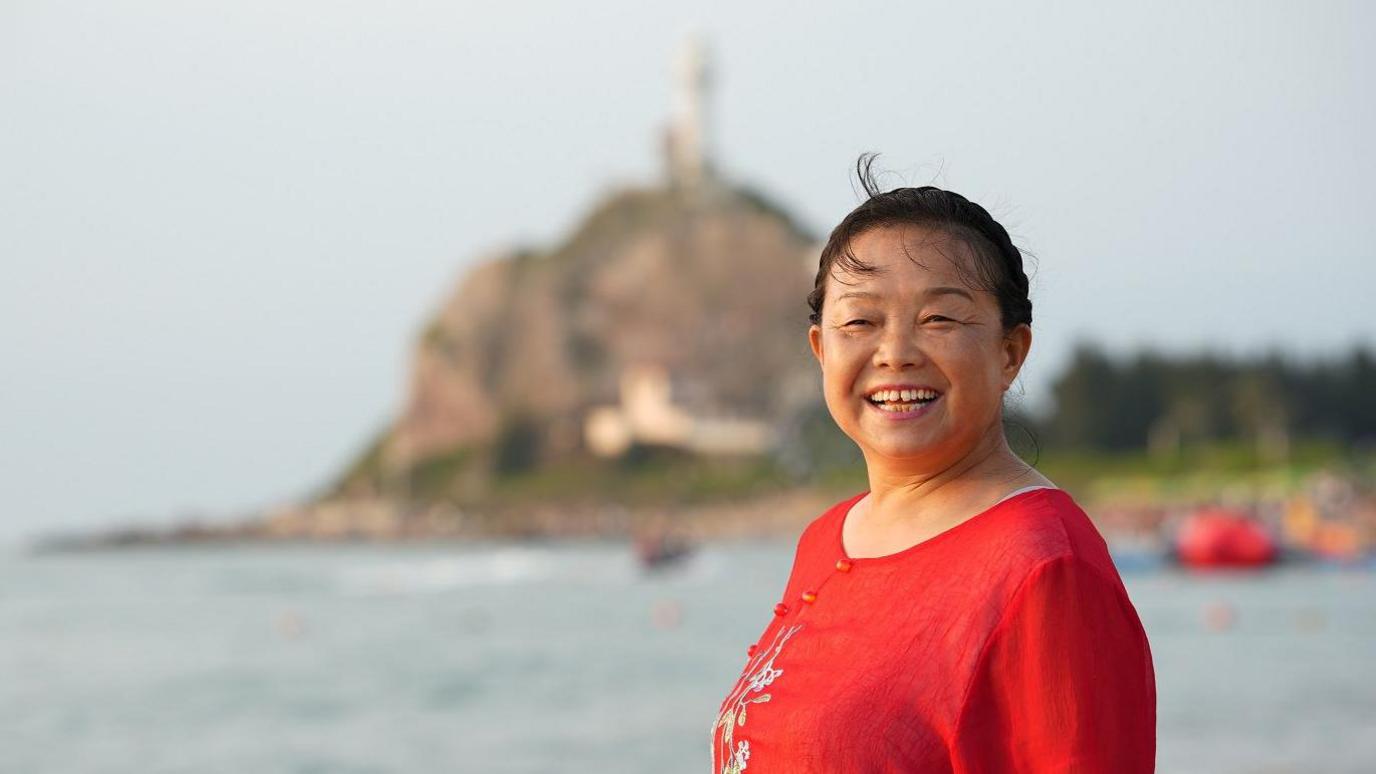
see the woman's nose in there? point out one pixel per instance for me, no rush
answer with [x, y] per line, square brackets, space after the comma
[898, 349]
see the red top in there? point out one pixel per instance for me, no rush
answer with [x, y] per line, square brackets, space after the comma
[1004, 644]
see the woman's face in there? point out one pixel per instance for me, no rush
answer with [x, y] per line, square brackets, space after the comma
[912, 331]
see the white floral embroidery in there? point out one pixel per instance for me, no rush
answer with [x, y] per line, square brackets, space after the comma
[763, 678]
[758, 674]
[742, 756]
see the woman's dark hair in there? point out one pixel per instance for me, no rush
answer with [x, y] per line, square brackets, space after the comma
[998, 264]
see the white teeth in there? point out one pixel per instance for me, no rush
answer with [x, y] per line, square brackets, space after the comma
[903, 395]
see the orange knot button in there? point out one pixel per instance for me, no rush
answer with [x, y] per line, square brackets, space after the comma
[809, 597]
[781, 609]
[750, 651]
[843, 565]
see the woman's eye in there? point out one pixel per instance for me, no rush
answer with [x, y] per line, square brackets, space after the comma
[939, 318]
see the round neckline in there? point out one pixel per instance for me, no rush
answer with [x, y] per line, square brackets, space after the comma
[840, 544]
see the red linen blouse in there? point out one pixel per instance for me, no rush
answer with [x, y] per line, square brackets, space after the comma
[1004, 644]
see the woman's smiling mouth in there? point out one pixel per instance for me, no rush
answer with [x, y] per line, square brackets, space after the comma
[895, 402]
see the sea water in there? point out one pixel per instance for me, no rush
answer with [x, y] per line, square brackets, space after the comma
[564, 657]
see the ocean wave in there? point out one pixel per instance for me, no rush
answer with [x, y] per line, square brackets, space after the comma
[504, 567]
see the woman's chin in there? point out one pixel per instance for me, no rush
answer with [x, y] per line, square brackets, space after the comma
[906, 442]
[893, 445]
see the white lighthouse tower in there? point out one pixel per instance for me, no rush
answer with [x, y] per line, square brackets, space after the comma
[687, 149]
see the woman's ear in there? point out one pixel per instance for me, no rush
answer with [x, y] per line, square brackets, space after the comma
[1016, 346]
[814, 338]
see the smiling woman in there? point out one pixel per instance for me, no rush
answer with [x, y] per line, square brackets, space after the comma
[963, 614]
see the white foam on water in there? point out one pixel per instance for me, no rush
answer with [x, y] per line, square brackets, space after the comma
[517, 566]
[502, 567]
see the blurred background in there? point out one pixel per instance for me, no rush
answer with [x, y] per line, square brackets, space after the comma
[425, 387]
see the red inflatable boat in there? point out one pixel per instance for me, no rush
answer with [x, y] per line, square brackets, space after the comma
[1224, 537]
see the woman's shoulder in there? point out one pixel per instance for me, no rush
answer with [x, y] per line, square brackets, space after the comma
[1049, 526]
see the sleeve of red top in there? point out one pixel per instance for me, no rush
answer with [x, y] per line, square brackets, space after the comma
[1064, 684]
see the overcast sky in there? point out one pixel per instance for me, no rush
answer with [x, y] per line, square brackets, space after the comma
[224, 223]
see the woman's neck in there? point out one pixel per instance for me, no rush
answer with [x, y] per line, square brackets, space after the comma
[975, 481]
